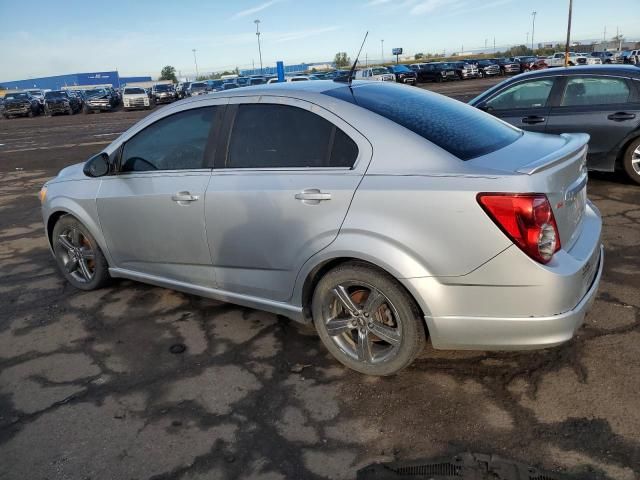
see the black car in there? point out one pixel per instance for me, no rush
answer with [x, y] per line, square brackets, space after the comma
[60, 101]
[508, 66]
[465, 70]
[21, 104]
[257, 81]
[229, 86]
[215, 85]
[163, 93]
[403, 74]
[98, 100]
[182, 89]
[601, 100]
[434, 72]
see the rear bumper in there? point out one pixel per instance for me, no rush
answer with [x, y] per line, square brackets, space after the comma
[512, 333]
[512, 302]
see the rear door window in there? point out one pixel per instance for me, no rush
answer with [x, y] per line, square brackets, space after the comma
[456, 127]
[282, 136]
[531, 94]
[581, 91]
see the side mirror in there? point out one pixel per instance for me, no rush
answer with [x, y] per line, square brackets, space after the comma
[97, 166]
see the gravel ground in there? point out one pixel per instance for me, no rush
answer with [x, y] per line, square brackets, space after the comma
[89, 388]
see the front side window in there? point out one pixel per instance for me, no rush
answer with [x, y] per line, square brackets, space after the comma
[595, 91]
[176, 142]
[532, 94]
[280, 136]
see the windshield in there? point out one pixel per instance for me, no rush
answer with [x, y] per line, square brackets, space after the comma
[95, 92]
[164, 88]
[400, 68]
[198, 86]
[379, 71]
[58, 94]
[35, 92]
[134, 91]
[16, 96]
[460, 129]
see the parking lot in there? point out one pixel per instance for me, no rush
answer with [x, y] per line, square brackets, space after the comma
[134, 381]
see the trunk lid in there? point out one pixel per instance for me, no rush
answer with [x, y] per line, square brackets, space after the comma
[555, 166]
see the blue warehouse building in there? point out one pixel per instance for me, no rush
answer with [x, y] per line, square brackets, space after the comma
[74, 79]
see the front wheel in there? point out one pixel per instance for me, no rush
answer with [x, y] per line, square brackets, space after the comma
[631, 160]
[78, 255]
[367, 320]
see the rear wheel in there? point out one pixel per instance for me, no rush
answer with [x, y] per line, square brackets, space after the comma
[367, 320]
[78, 255]
[631, 160]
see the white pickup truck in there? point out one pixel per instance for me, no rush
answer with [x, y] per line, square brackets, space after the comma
[557, 59]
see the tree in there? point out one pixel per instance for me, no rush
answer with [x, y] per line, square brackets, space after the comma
[418, 56]
[341, 60]
[168, 73]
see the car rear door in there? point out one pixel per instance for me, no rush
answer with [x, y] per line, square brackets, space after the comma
[606, 107]
[524, 104]
[152, 210]
[281, 187]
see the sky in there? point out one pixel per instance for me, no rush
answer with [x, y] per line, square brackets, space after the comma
[140, 37]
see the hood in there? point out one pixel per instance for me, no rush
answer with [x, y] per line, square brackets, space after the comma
[132, 96]
[16, 101]
[72, 172]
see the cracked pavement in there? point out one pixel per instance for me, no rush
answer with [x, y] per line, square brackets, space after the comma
[89, 388]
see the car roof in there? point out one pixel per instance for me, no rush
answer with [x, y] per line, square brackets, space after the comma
[586, 69]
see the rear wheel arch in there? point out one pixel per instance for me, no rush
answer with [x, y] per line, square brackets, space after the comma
[315, 275]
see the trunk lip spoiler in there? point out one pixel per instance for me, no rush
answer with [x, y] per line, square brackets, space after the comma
[576, 144]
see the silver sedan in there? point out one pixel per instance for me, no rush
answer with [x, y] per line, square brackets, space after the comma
[383, 214]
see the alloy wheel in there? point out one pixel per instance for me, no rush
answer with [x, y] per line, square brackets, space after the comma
[76, 255]
[635, 160]
[362, 322]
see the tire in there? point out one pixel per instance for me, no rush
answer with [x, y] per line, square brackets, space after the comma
[480, 74]
[631, 160]
[394, 315]
[78, 255]
[30, 114]
[86, 110]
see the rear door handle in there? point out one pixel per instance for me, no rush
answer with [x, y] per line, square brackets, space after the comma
[184, 197]
[533, 119]
[312, 196]
[621, 116]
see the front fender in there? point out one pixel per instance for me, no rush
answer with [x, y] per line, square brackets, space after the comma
[84, 210]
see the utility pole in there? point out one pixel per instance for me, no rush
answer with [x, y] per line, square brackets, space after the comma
[566, 51]
[195, 60]
[604, 35]
[494, 44]
[527, 39]
[485, 43]
[533, 26]
[257, 22]
[382, 50]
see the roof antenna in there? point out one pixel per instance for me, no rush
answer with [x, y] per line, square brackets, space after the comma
[349, 78]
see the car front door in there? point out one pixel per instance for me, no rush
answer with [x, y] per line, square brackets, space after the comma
[152, 210]
[281, 187]
[604, 106]
[524, 104]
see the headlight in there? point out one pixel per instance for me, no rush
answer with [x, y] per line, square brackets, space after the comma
[43, 194]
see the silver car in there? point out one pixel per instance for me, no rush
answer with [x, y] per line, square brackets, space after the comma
[384, 214]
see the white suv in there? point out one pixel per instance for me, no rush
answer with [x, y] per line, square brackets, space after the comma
[380, 74]
[135, 97]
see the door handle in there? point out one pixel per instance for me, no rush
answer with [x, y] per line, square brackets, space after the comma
[312, 196]
[184, 197]
[533, 119]
[621, 116]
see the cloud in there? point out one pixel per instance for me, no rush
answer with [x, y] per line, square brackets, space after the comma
[256, 9]
[290, 36]
[373, 3]
[428, 6]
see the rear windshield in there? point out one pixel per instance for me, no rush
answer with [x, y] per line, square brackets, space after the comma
[460, 129]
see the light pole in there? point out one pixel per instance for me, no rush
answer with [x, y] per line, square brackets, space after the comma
[566, 48]
[382, 50]
[195, 60]
[533, 26]
[527, 43]
[257, 22]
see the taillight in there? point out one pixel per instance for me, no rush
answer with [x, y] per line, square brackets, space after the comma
[527, 219]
